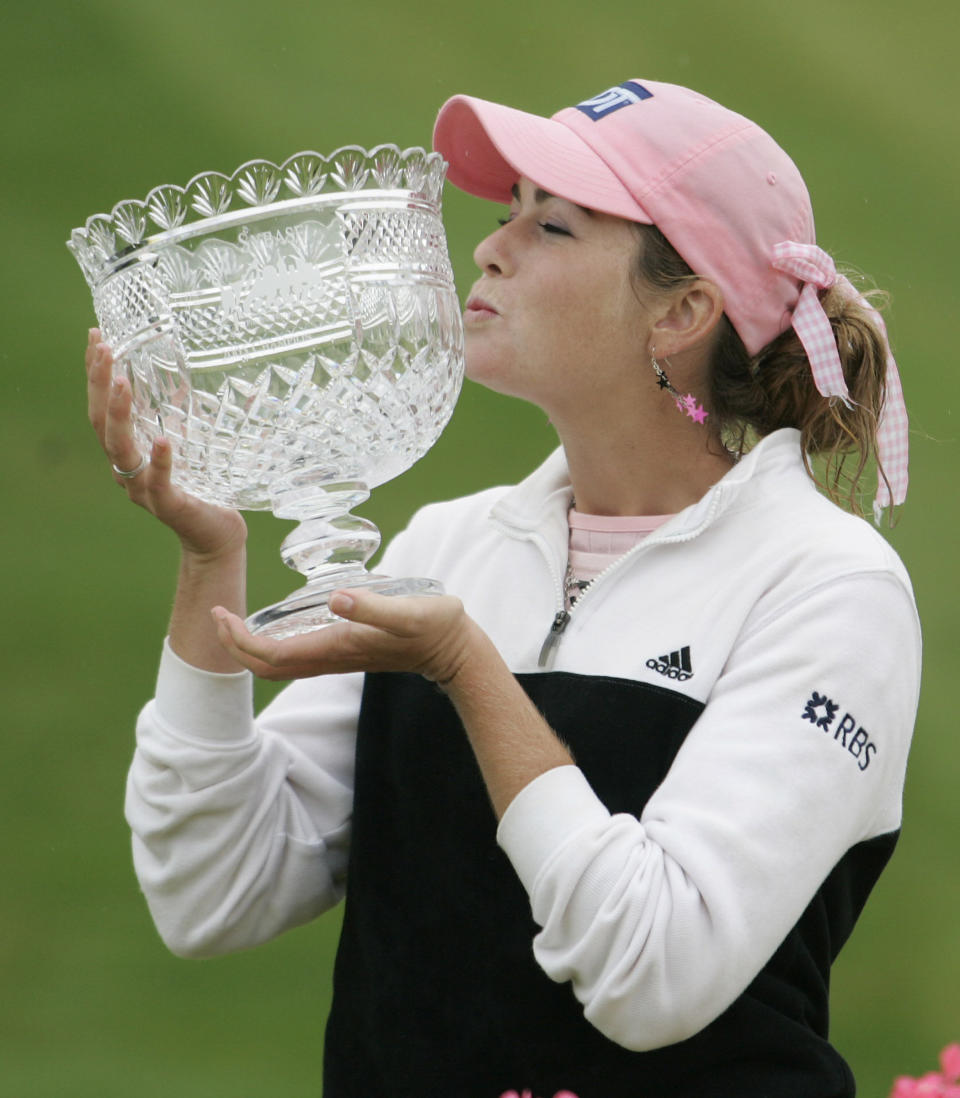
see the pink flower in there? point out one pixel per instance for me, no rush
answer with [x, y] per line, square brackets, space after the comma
[929, 1085]
[935, 1084]
[950, 1063]
[903, 1087]
[529, 1094]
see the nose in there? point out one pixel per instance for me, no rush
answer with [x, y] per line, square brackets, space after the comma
[493, 254]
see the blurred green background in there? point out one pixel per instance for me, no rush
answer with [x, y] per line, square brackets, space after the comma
[103, 100]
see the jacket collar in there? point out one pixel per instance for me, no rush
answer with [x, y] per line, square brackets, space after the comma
[539, 504]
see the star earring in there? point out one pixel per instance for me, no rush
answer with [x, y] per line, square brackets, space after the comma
[687, 404]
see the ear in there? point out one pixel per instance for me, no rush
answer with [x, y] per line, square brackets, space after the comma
[689, 319]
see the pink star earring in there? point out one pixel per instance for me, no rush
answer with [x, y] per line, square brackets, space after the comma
[687, 404]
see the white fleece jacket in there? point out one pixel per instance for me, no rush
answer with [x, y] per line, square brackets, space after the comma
[803, 643]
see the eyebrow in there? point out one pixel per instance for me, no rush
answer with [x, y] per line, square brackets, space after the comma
[540, 195]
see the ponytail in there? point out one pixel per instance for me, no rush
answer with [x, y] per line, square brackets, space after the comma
[752, 396]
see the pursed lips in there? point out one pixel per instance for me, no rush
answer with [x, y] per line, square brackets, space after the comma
[478, 307]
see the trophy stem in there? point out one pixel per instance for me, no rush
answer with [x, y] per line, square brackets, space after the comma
[330, 551]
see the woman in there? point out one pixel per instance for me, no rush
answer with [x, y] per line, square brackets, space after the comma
[684, 680]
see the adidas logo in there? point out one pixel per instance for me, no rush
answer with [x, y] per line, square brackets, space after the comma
[675, 665]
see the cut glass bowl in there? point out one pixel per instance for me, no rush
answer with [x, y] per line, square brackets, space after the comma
[294, 330]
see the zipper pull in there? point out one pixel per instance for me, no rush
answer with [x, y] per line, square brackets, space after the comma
[552, 642]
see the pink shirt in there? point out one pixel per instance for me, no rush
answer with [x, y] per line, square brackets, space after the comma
[596, 541]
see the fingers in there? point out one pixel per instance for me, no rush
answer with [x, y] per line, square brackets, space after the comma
[109, 402]
[118, 438]
[99, 365]
[333, 649]
[204, 529]
[403, 616]
[426, 635]
[234, 638]
[306, 656]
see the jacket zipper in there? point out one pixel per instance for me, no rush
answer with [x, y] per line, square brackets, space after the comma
[562, 616]
[548, 650]
[551, 643]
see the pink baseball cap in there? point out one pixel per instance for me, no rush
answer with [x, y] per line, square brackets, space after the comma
[717, 186]
[720, 189]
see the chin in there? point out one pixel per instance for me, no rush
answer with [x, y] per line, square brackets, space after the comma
[485, 370]
[499, 373]
[491, 382]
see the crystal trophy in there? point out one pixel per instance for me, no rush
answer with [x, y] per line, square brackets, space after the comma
[295, 332]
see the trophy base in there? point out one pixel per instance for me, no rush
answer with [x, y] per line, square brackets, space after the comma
[307, 609]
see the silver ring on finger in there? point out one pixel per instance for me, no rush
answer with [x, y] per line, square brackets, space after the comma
[129, 474]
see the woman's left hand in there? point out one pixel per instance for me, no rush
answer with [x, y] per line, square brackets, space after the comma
[429, 635]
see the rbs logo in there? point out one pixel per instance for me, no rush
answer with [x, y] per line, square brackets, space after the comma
[821, 712]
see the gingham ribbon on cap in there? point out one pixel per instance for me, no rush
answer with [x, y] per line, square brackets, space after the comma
[816, 270]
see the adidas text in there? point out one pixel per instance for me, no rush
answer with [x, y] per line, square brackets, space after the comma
[675, 665]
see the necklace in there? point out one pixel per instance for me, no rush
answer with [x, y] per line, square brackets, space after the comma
[573, 588]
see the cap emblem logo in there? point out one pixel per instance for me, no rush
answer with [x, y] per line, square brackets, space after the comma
[613, 99]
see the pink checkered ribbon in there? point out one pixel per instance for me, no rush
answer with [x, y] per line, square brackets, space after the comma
[816, 270]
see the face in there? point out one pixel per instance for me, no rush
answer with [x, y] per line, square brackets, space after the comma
[554, 317]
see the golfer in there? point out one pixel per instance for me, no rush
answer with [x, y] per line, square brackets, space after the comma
[605, 813]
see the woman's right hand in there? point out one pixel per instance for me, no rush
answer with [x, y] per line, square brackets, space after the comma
[207, 533]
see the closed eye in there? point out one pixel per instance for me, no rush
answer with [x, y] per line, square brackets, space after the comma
[547, 226]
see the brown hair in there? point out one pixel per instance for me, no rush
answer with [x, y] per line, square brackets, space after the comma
[752, 395]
